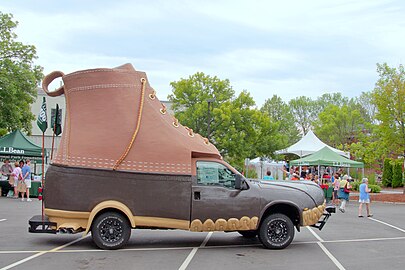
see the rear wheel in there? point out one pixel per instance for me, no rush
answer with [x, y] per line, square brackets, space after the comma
[248, 234]
[276, 231]
[110, 230]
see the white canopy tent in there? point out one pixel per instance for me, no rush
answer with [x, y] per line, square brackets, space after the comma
[309, 144]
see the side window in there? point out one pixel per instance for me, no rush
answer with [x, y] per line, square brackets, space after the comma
[214, 174]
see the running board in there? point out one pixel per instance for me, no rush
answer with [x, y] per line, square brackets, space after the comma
[329, 210]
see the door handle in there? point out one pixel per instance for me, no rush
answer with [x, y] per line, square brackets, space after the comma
[197, 195]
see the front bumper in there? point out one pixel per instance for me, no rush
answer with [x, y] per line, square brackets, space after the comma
[312, 217]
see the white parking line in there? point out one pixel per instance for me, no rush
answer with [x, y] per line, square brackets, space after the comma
[41, 253]
[205, 247]
[314, 234]
[3, 219]
[193, 252]
[333, 259]
[325, 250]
[385, 223]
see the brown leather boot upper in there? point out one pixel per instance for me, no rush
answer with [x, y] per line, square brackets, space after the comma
[102, 127]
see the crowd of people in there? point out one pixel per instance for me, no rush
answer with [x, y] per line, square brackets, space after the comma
[341, 186]
[18, 177]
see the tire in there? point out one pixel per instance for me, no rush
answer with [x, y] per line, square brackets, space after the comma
[248, 234]
[110, 230]
[276, 231]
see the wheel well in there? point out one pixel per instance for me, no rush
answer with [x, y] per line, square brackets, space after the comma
[286, 209]
[111, 209]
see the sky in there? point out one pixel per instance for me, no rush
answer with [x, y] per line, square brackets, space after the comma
[288, 48]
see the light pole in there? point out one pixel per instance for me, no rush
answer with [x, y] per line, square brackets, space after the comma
[209, 101]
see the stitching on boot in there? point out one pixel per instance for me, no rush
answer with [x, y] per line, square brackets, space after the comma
[100, 86]
[99, 70]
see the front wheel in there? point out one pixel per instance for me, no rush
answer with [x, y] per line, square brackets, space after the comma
[110, 230]
[276, 231]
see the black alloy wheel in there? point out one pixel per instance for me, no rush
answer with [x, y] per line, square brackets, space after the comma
[110, 230]
[276, 231]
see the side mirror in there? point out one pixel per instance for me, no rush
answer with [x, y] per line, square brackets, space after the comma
[240, 182]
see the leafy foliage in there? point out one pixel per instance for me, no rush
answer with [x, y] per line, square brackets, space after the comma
[339, 126]
[280, 113]
[19, 78]
[397, 173]
[238, 129]
[387, 173]
[304, 111]
[389, 98]
[374, 188]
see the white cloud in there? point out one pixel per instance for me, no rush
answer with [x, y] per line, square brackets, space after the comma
[288, 48]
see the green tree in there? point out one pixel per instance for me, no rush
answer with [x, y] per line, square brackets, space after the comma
[280, 114]
[369, 147]
[330, 99]
[242, 131]
[367, 107]
[238, 129]
[19, 78]
[190, 99]
[339, 126]
[387, 173]
[304, 111]
[389, 98]
[397, 173]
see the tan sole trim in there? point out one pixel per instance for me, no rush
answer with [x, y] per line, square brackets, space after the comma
[312, 216]
[76, 220]
[232, 224]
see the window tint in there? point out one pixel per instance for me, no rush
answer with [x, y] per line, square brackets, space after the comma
[214, 174]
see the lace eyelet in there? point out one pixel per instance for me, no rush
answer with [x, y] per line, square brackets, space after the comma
[162, 111]
[153, 95]
[175, 124]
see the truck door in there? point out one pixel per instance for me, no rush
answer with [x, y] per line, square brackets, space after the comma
[215, 197]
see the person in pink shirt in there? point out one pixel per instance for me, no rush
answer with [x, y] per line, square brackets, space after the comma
[16, 174]
[336, 187]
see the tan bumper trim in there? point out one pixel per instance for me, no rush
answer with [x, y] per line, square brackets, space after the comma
[312, 216]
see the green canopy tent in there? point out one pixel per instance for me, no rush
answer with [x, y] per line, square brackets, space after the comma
[16, 146]
[327, 157]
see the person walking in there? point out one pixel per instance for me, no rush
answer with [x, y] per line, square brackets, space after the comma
[336, 186]
[26, 174]
[364, 197]
[17, 176]
[344, 193]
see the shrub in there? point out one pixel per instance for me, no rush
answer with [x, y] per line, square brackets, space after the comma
[397, 174]
[374, 188]
[387, 173]
[252, 173]
[355, 185]
[371, 178]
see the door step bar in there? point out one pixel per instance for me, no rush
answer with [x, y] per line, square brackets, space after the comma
[329, 210]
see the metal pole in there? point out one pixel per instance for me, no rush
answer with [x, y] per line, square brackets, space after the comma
[209, 120]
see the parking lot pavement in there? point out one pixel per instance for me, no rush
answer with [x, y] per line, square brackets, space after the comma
[346, 242]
